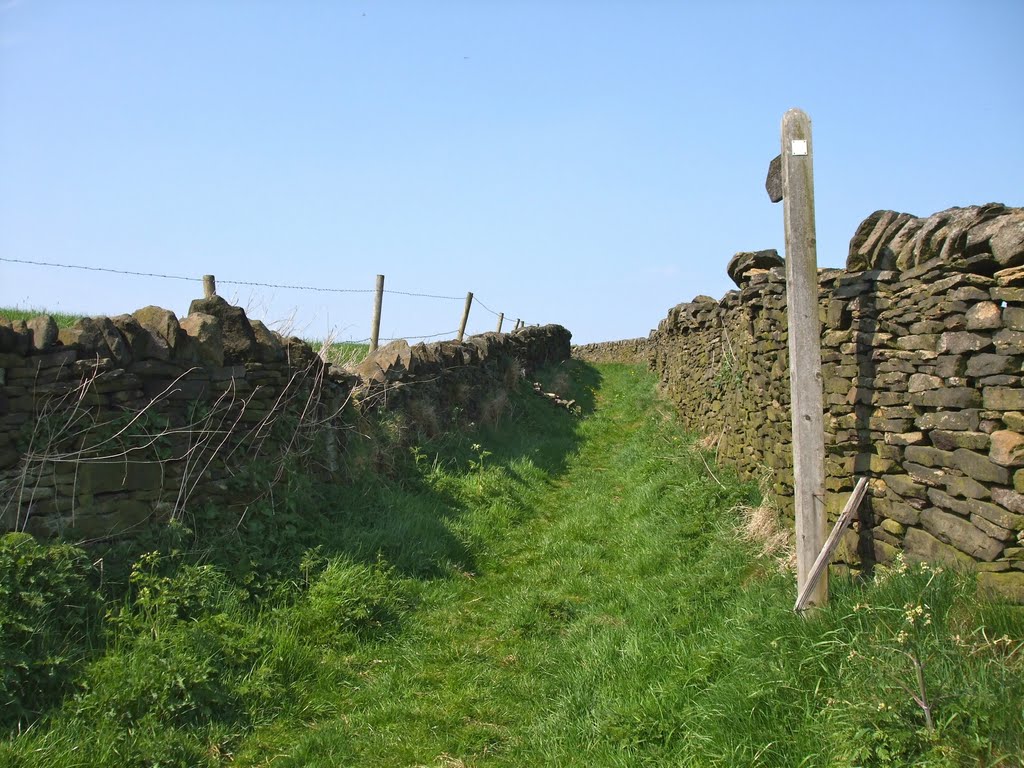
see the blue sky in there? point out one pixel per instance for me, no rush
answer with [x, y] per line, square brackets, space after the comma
[586, 163]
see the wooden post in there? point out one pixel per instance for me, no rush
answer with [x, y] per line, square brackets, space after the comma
[377, 301]
[209, 286]
[518, 323]
[501, 319]
[804, 350]
[465, 316]
[820, 566]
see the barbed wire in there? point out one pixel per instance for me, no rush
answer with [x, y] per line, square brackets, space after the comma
[425, 295]
[477, 301]
[294, 287]
[254, 284]
[99, 269]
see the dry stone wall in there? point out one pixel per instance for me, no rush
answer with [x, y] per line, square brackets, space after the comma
[118, 423]
[922, 353]
[628, 351]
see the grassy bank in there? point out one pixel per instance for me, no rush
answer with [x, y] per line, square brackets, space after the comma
[559, 589]
[63, 319]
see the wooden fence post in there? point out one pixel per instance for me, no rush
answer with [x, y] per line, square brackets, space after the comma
[377, 301]
[465, 316]
[209, 286]
[804, 349]
[501, 319]
[518, 323]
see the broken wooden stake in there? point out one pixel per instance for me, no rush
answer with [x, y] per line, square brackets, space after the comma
[822, 561]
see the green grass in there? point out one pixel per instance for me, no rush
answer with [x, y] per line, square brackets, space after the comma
[555, 590]
[63, 320]
[343, 352]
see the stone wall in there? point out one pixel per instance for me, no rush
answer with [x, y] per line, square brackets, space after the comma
[922, 352]
[629, 351]
[120, 422]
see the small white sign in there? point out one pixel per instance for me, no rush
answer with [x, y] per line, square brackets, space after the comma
[799, 147]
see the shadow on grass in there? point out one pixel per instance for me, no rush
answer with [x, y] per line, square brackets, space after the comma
[405, 516]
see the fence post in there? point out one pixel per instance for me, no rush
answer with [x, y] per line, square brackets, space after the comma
[465, 316]
[804, 349]
[377, 301]
[518, 323]
[209, 286]
[501, 319]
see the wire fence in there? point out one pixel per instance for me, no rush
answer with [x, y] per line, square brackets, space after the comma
[471, 299]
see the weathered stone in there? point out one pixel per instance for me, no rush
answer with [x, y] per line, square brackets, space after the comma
[1007, 448]
[893, 527]
[996, 514]
[884, 552]
[1011, 500]
[1002, 235]
[991, 529]
[44, 331]
[1011, 295]
[904, 438]
[926, 342]
[999, 381]
[238, 338]
[1014, 420]
[742, 263]
[1003, 399]
[929, 457]
[97, 336]
[1012, 276]
[1013, 318]
[979, 467]
[949, 420]
[205, 332]
[955, 531]
[388, 363]
[1009, 342]
[921, 546]
[950, 440]
[952, 397]
[924, 474]
[984, 316]
[270, 349]
[950, 366]
[987, 364]
[905, 486]
[773, 182]
[921, 382]
[162, 323]
[1006, 586]
[958, 342]
[966, 487]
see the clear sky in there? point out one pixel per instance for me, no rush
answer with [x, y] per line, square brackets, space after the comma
[587, 163]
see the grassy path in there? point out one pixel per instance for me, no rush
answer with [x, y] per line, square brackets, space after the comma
[554, 649]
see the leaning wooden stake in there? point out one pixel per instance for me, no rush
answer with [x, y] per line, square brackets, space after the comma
[465, 316]
[820, 566]
[501, 319]
[377, 301]
[804, 350]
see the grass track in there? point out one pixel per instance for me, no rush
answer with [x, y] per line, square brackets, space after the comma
[554, 591]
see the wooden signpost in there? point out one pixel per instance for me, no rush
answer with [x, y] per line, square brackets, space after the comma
[804, 352]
